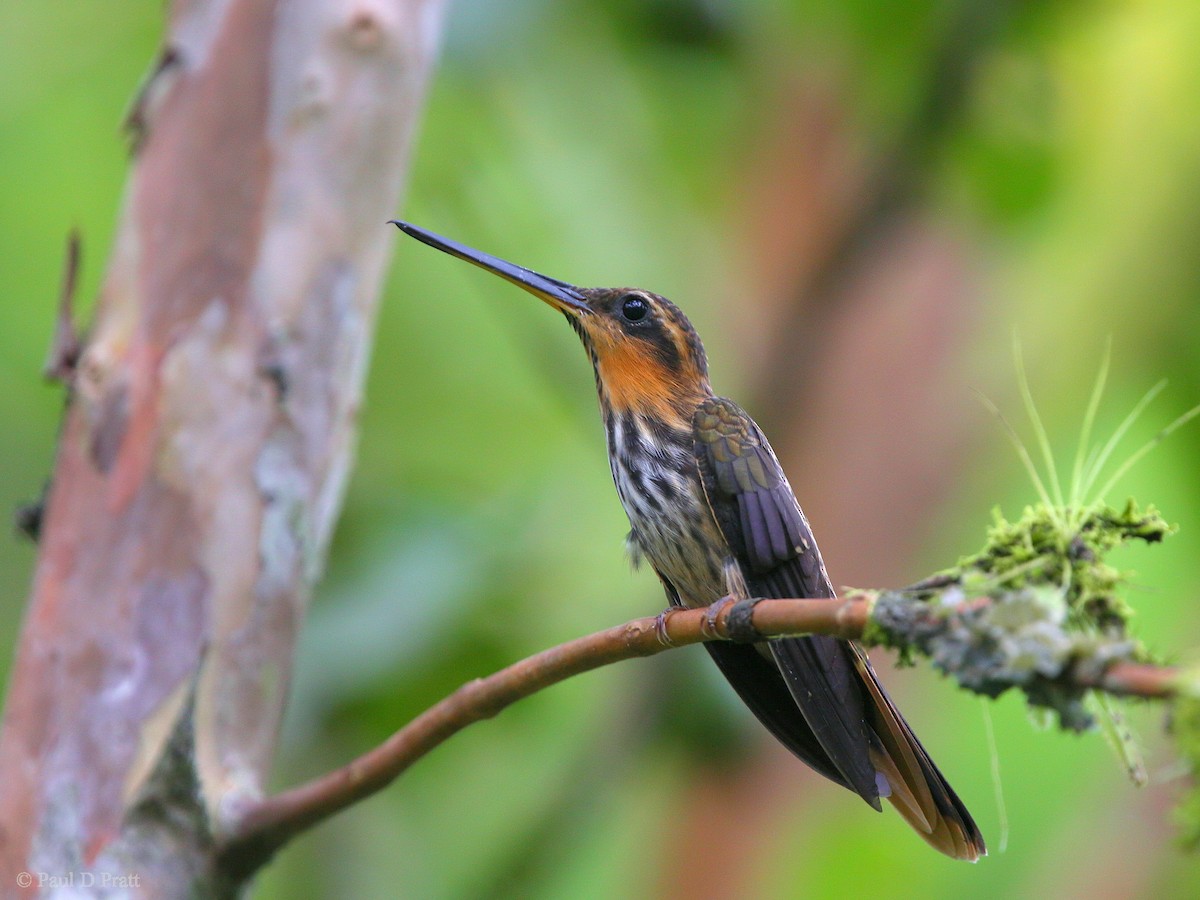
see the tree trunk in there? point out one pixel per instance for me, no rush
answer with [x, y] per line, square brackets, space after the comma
[208, 438]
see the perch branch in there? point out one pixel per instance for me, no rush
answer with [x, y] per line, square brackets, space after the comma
[255, 832]
[1131, 679]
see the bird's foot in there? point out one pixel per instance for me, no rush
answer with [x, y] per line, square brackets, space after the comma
[709, 628]
[660, 626]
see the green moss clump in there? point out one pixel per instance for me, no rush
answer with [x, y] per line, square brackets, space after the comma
[1063, 549]
[1053, 605]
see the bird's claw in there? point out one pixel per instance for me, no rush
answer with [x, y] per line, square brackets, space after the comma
[709, 628]
[660, 626]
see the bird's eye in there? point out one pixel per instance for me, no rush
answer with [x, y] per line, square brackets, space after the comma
[634, 308]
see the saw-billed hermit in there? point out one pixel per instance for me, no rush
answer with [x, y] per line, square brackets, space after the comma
[712, 512]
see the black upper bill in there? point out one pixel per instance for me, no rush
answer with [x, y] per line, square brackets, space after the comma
[557, 293]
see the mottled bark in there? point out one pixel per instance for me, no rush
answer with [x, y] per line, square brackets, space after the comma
[209, 435]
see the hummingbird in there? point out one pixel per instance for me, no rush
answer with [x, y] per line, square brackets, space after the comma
[712, 512]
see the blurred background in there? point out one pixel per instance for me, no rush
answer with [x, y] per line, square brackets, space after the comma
[858, 203]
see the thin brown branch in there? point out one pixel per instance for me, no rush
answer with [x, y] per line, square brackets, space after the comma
[1129, 679]
[263, 828]
[259, 830]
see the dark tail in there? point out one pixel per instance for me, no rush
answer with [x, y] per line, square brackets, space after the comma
[918, 790]
[821, 699]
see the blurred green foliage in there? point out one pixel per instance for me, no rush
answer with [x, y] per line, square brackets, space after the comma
[614, 142]
[1185, 724]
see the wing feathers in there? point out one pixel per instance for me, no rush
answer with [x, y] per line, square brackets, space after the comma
[818, 675]
[777, 529]
[754, 527]
[757, 682]
[847, 729]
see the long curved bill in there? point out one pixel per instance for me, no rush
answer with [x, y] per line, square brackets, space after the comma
[559, 294]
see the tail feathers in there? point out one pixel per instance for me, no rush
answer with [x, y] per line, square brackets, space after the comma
[919, 791]
[759, 684]
[889, 751]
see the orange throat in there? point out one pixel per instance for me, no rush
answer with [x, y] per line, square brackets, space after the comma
[632, 382]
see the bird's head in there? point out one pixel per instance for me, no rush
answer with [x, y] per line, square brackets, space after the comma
[648, 358]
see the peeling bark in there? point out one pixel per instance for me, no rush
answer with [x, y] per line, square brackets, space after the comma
[211, 430]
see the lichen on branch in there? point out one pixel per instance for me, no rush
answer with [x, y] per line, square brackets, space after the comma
[1053, 606]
